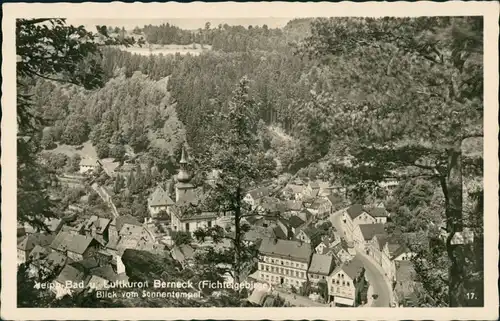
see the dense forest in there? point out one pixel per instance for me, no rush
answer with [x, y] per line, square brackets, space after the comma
[389, 93]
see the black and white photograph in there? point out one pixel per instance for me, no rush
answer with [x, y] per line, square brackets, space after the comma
[251, 161]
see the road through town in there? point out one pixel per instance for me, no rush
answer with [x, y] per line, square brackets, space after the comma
[374, 275]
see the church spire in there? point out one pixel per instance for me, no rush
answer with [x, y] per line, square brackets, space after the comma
[183, 175]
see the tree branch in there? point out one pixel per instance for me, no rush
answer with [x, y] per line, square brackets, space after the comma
[54, 79]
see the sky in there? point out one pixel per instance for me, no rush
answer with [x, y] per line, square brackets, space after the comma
[183, 23]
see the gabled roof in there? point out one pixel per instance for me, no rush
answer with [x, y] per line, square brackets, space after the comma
[71, 242]
[105, 272]
[30, 241]
[376, 211]
[85, 265]
[293, 188]
[295, 221]
[160, 198]
[38, 252]
[310, 231]
[352, 267]
[293, 205]
[314, 184]
[318, 202]
[334, 199]
[279, 233]
[287, 249]
[370, 230]
[381, 240]
[260, 192]
[321, 264]
[121, 220]
[355, 210]
[100, 223]
[54, 260]
[70, 273]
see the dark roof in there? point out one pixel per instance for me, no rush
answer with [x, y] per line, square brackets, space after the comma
[54, 260]
[286, 249]
[295, 221]
[105, 272]
[38, 252]
[52, 223]
[310, 231]
[85, 265]
[382, 240]
[334, 199]
[120, 220]
[70, 273]
[321, 264]
[30, 241]
[279, 233]
[77, 243]
[355, 210]
[100, 223]
[352, 267]
[370, 230]
[376, 211]
[260, 192]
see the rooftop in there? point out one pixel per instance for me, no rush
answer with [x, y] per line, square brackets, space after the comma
[77, 243]
[160, 198]
[355, 210]
[70, 273]
[352, 268]
[30, 241]
[293, 250]
[376, 211]
[370, 230]
[321, 264]
[89, 162]
[99, 223]
[260, 192]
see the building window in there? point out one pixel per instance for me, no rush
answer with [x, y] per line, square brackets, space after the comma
[209, 224]
[261, 267]
[187, 227]
[347, 283]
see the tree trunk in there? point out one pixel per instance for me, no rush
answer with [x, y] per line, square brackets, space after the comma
[454, 224]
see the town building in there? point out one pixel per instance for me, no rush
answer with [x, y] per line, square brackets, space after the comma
[73, 276]
[320, 268]
[379, 250]
[284, 262]
[341, 252]
[254, 196]
[47, 264]
[354, 216]
[405, 284]
[89, 165]
[342, 282]
[327, 243]
[98, 228]
[378, 213]
[29, 242]
[292, 191]
[364, 233]
[186, 215]
[75, 246]
[159, 201]
[307, 234]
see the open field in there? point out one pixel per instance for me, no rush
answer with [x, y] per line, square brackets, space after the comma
[88, 151]
[167, 49]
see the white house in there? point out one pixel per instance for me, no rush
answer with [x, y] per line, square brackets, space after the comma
[356, 215]
[364, 233]
[88, 165]
[320, 268]
[159, 201]
[379, 213]
[342, 283]
[254, 196]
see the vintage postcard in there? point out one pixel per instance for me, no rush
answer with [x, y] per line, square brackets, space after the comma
[250, 161]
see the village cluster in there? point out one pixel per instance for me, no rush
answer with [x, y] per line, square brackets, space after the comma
[309, 236]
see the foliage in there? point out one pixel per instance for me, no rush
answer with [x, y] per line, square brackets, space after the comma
[181, 237]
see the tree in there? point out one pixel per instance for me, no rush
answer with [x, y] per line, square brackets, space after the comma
[424, 98]
[242, 164]
[74, 162]
[181, 237]
[47, 49]
[47, 141]
[102, 149]
[117, 152]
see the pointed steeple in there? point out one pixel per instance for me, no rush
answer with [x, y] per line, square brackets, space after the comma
[183, 175]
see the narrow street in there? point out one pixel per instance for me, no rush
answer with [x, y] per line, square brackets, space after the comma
[374, 275]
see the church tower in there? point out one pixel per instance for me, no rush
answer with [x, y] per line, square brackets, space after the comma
[183, 187]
